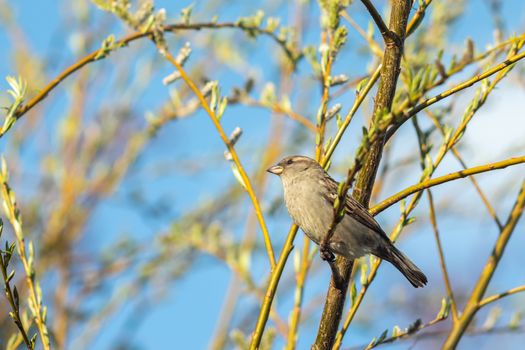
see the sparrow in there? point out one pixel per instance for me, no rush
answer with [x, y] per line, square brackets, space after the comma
[309, 195]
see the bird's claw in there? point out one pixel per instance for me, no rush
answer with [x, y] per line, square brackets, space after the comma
[392, 39]
[326, 254]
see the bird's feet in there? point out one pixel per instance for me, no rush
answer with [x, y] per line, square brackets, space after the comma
[325, 253]
[392, 39]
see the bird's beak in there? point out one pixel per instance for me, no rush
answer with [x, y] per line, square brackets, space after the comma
[276, 169]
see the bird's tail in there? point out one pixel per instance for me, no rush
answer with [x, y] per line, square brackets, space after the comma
[412, 273]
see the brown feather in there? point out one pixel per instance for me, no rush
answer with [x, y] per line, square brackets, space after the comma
[353, 207]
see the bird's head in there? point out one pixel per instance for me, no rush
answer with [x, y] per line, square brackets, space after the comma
[294, 165]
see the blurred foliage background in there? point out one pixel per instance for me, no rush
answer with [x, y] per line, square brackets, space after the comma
[138, 233]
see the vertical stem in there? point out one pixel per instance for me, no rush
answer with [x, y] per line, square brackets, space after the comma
[335, 298]
[444, 271]
[272, 288]
[34, 293]
[424, 150]
[295, 315]
[10, 295]
[231, 149]
[473, 303]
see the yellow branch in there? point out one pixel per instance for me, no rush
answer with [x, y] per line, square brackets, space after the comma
[493, 298]
[272, 288]
[35, 295]
[231, 149]
[349, 116]
[94, 56]
[458, 156]
[414, 110]
[475, 299]
[442, 179]
[441, 154]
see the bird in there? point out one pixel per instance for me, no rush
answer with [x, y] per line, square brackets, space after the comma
[309, 196]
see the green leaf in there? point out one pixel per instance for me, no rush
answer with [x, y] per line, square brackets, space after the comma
[353, 293]
[515, 320]
[16, 298]
[361, 85]
[382, 336]
[10, 276]
[222, 107]
[185, 14]
[107, 46]
[272, 23]
[445, 308]
[338, 121]
[215, 95]
[102, 4]
[339, 38]
[371, 344]
[396, 331]
[414, 326]
[409, 221]
[364, 278]
[237, 175]
[268, 96]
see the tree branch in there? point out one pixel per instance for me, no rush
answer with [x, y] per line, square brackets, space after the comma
[442, 179]
[171, 28]
[424, 149]
[231, 149]
[493, 298]
[404, 116]
[389, 73]
[388, 36]
[458, 156]
[475, 299]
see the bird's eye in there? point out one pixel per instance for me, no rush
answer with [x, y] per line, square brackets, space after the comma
[290, 161]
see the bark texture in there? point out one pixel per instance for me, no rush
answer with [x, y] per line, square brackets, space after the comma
[336, 295]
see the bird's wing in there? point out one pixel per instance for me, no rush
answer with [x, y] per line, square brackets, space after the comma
[352, 207]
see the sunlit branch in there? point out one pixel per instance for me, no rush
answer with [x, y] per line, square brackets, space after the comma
[442, 179]
[231, 149]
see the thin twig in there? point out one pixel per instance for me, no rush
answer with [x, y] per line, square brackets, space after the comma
[170, 28]
[475, 298]
[349, 116]
[275, 107]
[456, 136]
[375, 48]
[295, 314]
[470, 332]
[405, 108]
[386, 33]
[423, 151]
[458, 156]
[442, 263]
[35, 294]
[418, 326]
[400, 119]
[493, 298]
[11, 294]
[272, 288]
[231, 149]
[442, 179]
